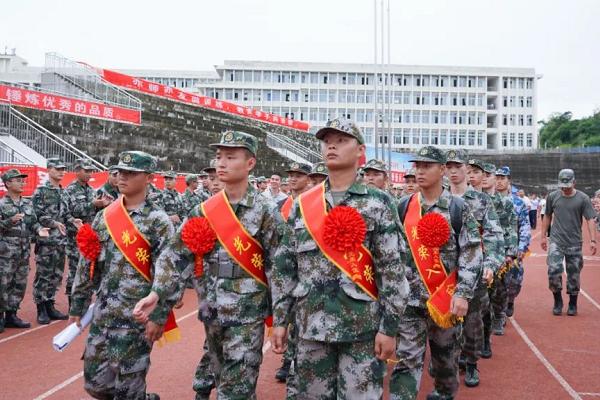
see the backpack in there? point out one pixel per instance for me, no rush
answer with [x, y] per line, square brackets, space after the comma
[456, 207]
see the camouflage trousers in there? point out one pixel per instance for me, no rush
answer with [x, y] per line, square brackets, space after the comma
[416, 329]
[14, 269]
[473, 327]
[514, 281]
[291, 385]
[573, 260]
[115, 363]
[346, 370]
[204, 379]
[73, 254]
[235, 356]
[499, 297]
[50, 265]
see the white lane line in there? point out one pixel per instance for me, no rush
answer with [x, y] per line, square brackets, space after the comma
[80, 374]
[587, 296]
[590, 394]
[574, 395]
[59, 387]
[28, 331]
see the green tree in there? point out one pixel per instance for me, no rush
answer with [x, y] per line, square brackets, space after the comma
[561, 130]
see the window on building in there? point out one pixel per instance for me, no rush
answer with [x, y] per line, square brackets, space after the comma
[314, 78]
[505, 101]
[529, 83]
[415, 136]
[344, 79]
[504, 139]
[351, 79]
[332, 79]
[443, 137]
[529, 140]
[418, 81]
[426, 81]
[416, 117]
[454, 99]
[512, 119]
[529, 120]
[504, 119]
[406, 116]
[425, 117]
[454, 117]
[512, 139]
[470, 82]
[462, 138]
[480, 136]
[520, 138]
[332, 97]
[405, 136]
[471, 138]
[325, 78]
[276, 95]
[369, 96]
[529, 101]
[454, 81]
[511, 101]
[397, 136]
[435, 138]
[425, 136]
[444, 117]
[435, 117]
[505, 83]
[521, 83]
[369, 135]
[521, 120]
[406, 98]
[521, 101]
[463, 99]
[453, 137]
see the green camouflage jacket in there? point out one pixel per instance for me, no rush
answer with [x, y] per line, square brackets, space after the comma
[50, 204]
[229, 301]
[17, 234]
[329, 306]
[188, 201]
[117, 284]
[464, 254]
[508, 220]
[79, 202]
[108, 189]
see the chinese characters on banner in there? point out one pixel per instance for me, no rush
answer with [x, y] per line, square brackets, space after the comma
[157, 89]
[51, 102]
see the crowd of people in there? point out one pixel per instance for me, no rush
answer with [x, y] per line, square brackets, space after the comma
[350, 272]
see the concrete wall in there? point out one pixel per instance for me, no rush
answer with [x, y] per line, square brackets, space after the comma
[176, 133]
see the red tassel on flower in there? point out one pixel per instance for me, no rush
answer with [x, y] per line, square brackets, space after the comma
[344, 229]
[89, 245]
[433, 230]
[200, 238]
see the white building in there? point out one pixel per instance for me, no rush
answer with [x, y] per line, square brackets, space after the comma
[475, 108]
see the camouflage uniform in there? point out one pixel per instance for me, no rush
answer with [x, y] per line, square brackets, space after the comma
[50, 206]
[336, 320]
[15, 243]
[79, 202]
[155, 195]
[515, 274]
[109, 190]
[117, 355]
[171, 203]
[188, 201]
[233, 304]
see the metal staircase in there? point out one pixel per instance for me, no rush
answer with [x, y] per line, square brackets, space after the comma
[291, 149]
[33, 142]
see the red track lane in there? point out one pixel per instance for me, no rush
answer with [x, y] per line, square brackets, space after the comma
[30, 367]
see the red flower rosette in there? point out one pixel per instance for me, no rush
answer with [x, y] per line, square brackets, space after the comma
[433, 230]
[344, 229]
[199, 237]
[89, 245]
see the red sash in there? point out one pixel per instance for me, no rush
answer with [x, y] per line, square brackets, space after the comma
[439, 284]
[357, 265]
[136, 250]
[287, 208]
[232, 235]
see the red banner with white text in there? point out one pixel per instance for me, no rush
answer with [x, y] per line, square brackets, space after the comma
[51, 102]
[160, 90]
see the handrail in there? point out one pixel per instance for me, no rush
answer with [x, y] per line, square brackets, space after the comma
[11, 152]
[285, 143]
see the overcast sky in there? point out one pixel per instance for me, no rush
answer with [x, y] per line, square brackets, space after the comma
[559, 38]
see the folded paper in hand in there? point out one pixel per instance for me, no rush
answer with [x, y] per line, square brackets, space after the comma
[63, 339]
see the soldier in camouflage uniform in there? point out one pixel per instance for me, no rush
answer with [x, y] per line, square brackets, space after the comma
[462, 253]
[410, 182]
[204, 187]
[82, 209]
[514, 278]
[344, 335]
[170, 199]
[117, 352]
[155, 195]
[566, 209]
[494, 316]
[317, 175]
[108, 192]
[483, 210]
[50, 206]
[18, 225]
[190, 199]
[233, 304]
[376, 174]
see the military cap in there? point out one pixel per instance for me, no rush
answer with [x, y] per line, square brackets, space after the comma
[474, 162]
[55, 162]
[83, 163]
[170, 175]
[319, 169]
[344, 126]
[429, 154]
[202, 174]
[489, 168]
[285, 181]
[396, 186]
[12, 174]
[411, 172]
[261, 179]
[457, 156]
[137, 161]
[299, 167]
[212, 167]
[189, 178]
[112, 168]
[503, 171]
[376, 165]
[238, 139]
[566, 178]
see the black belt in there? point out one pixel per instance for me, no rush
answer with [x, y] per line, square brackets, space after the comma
[227, 271]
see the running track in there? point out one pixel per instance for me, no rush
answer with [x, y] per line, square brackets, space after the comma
[540, 356]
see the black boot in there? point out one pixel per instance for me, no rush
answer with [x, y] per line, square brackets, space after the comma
[12, 321]
[472, 375]
[42, 314]
[152, 396]
[486, 351]
[53, 313]
[558, 303]
[283, 372]
[435, 395]
[1, 322]
[572, 310]
[510, 309]
[498, 327]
